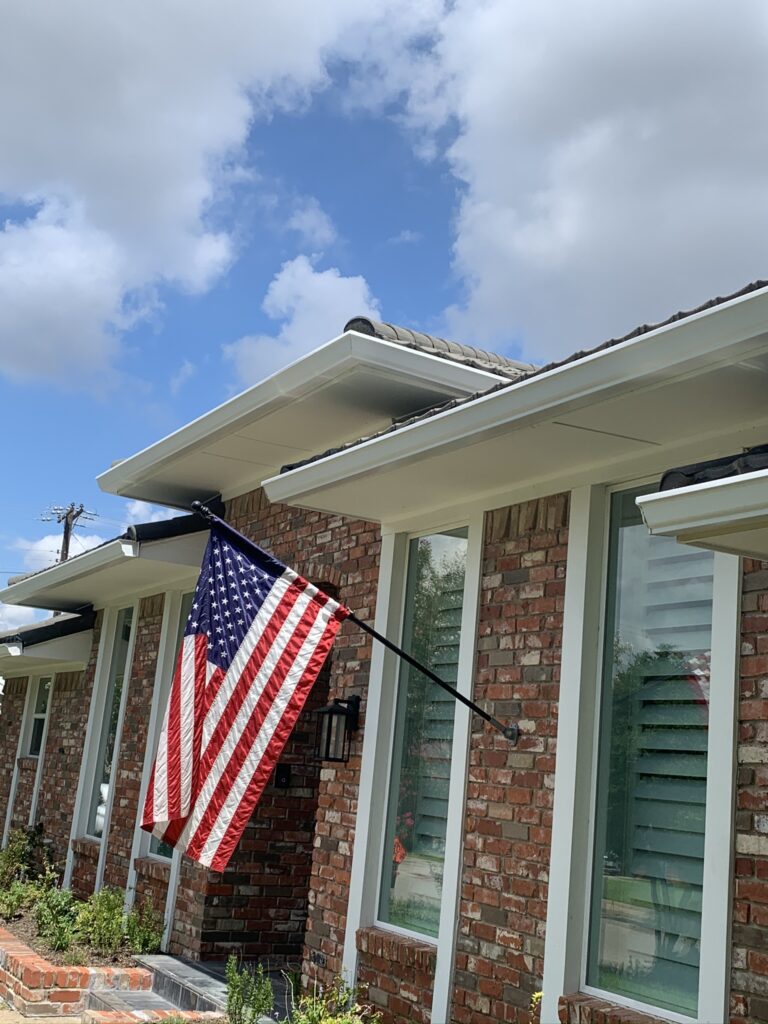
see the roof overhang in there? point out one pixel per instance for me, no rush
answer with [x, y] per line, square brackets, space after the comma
[120, 569]
[351, 386]
[62, 654]
[696, 384]
[728, 515]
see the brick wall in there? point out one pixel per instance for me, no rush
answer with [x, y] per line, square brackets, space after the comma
[261, 904]
[84, 864]
[749, 978]
[151, 887]
[11, 714]
[396, 975]
[129, 758]
[500, 943]
[25, 785]
[258, 906]
[64, 744]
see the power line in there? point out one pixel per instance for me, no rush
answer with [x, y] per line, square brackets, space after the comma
[68, 516]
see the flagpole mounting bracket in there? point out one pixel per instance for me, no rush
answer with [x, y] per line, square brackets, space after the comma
[511, 733]
[202, 510]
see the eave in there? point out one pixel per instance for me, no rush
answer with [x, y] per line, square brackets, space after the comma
[697, 383]
[352, 385]
[116, 571]
[63, 654]
[729, 515]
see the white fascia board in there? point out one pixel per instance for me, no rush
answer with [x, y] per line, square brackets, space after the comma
[299, 378]
[64, 572]
[727, 332]
[65, 652]
[717, 506]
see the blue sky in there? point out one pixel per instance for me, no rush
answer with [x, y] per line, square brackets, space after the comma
[195, 197]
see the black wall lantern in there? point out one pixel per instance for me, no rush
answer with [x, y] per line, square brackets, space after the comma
[335, 726]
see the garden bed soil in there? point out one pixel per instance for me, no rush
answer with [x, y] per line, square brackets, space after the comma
[25, 929]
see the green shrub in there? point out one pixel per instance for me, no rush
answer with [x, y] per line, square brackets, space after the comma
[101, 922]
[13, 899]
[249, 993]
[15, 859]
[336, 1005]
[56, 912]
[143, 929]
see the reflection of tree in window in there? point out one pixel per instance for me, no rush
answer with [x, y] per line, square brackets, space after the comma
[421, 757]
[106, 752]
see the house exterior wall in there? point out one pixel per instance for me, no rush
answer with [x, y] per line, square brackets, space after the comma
[11, 715]
[267, 898]
[25, 786]
[129, 763]
[64, 744]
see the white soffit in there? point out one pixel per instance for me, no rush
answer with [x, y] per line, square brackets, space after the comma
[121, 569]
[62, 654]
[728, 515]
[351, 386]
[696, 386]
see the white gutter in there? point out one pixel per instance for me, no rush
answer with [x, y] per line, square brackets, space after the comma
[735, 503]
[300, 378]
[730, 330]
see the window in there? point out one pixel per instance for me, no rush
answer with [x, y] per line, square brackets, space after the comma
[416, 823]
[646, 911]
[39, 713]
[156, 847]
[118, 668]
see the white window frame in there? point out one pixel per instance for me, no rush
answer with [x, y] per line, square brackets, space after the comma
[160, 693]
[373, 796]
[96, 712]
[575, 773]
[22, 749]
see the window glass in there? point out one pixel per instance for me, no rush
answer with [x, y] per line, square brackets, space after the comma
[421, 758]
[106, 750]
[645, 923]
[38, 716]
[156, 846]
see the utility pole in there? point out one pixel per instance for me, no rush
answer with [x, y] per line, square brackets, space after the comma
[67, 516]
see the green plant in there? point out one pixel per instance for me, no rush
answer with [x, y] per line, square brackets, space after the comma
[15, 859]
[336, 1005]
[56, 912]
[15, 898]
[249, 993]
[143, 929]
[101, 922]
[535, 1006]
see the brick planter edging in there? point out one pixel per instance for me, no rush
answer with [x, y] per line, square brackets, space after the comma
[38, 988]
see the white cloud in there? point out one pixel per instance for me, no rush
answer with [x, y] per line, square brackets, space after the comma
[122, 128]
[315, 228]
[185, 372]
[145, 512]
[11, 617]
[44, 551]
[405, 237]
[611, 159]
[313, 305]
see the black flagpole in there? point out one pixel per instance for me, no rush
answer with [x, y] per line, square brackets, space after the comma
[510, 732]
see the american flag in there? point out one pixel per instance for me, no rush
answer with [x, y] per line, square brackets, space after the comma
[256, 639]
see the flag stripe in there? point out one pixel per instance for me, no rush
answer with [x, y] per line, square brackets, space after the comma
[218, 778]
[264, 737]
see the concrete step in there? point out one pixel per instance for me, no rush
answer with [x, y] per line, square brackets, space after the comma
[185, 985]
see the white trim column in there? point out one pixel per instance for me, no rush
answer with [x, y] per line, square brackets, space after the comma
[163, 671]
[457, 792]
[19, 748]
[716, 917]
[379, 712]
[571, 821]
